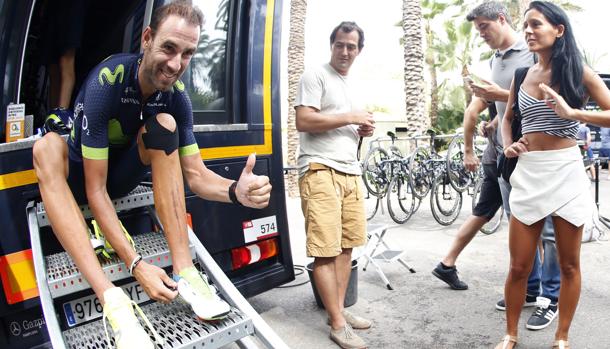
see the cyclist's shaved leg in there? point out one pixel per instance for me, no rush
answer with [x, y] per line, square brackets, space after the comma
[51, 165]
[157, 146]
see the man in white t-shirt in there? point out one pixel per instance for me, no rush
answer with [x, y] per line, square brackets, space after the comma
[330, 185]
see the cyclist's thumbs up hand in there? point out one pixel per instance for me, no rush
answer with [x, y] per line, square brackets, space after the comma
[252, 190]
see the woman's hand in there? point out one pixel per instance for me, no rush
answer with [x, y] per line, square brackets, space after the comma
[516, 148]
[554, 101]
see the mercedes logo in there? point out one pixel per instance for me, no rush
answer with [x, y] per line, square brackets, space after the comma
[15, 328]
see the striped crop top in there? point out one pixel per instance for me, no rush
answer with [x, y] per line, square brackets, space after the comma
[536, 116]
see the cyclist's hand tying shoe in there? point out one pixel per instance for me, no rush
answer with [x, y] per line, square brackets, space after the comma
[155, 282]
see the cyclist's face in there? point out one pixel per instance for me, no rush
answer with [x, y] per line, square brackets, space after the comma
[168, 52]
[490, 31]
[344, 50]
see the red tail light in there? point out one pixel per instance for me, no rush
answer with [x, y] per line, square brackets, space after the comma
[253, 253]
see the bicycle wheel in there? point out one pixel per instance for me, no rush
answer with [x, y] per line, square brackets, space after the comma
[494, 223]
[372, 172]
[371, 205]
[401, 201]
[418, 174]
[445, 201]
[459, 177]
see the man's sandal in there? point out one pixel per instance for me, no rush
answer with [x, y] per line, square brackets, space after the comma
[561, 344]
[506, 341]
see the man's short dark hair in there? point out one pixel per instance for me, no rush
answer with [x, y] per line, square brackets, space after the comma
[348, 27]
[181, 8]
[490, 10]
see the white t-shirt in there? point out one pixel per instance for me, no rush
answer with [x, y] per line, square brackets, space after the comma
[329, 92]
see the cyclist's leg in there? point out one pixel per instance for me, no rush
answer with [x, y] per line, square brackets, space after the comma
[168, 185]
[52, 169]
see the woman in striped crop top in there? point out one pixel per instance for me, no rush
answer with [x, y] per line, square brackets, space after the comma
[549, 178]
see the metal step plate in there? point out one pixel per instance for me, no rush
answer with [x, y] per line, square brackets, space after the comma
[141, 196]
[175, 323]
[65, 278]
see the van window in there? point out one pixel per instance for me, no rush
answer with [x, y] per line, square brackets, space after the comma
[206, 78]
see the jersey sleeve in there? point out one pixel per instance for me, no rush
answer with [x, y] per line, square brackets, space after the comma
[98, 105]
[182, 111]
[309, 92]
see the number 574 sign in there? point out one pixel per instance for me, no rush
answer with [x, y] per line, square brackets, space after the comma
[260, 228]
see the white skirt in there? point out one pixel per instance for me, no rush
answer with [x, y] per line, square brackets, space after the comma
[551, 182]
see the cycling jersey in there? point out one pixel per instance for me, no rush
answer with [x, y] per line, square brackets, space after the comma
[109, 110]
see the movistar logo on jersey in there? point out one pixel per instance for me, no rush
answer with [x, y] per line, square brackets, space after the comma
[179, 85]
[110, 76]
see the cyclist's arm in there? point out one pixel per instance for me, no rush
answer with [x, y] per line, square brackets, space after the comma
[100, 101]
[96, 172]
[471, 114]
[203, 181]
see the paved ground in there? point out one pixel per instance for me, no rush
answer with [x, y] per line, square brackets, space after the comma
[421, 311]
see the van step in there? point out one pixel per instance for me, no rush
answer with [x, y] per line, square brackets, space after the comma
[175, 323]
[64, 277]
[141, 196]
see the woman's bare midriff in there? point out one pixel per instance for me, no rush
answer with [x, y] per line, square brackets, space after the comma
[537, 141]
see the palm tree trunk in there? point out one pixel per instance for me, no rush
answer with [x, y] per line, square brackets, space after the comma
[296, 57]
[414, 67]
[431, 63]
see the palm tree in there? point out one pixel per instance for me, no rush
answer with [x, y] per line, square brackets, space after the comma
[433, 54]
[414, 66]
[296, 57]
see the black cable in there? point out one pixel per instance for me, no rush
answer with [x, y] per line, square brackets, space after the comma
[300, 271]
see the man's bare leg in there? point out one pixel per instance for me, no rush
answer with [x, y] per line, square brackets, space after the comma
[325, 276]
[168, 189]
[465, 234]
[51, 165]
[68, 78]
[343, 270]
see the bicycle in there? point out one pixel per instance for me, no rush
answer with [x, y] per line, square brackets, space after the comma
[400, 199]
[428, 173]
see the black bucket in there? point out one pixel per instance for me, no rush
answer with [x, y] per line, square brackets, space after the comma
[351, 295]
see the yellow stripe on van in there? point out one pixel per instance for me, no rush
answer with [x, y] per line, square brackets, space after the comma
[17, 179]
[267, 147]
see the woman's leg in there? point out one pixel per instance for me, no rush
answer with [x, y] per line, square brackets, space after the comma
[567, 241]
[522, 243]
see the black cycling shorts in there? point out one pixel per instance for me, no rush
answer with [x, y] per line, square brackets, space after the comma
[490, 199]
[125, 172]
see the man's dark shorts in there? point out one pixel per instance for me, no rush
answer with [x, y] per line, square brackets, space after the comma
[490, 199]
[125, 172]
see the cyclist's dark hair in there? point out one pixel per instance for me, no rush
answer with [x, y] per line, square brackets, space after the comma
[490, 10]
[348, 27]
[566, 60]
[181, 8]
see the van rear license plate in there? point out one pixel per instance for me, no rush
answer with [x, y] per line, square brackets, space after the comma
[89, 307]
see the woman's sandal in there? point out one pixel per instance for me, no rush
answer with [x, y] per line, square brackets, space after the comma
[561, 344]
[506, 341]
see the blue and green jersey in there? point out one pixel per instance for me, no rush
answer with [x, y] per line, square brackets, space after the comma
[109, 110]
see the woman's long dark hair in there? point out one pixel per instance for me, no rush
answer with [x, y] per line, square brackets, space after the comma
[566, 59]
